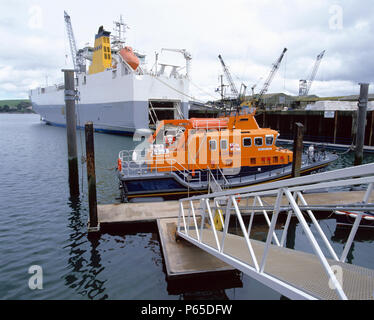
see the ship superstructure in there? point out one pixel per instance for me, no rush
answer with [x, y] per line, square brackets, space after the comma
[116, 91]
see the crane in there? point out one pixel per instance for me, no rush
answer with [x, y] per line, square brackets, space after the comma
[186, 55]
[233, 88]
[305, 85]
[77, 58]
[270, 77]
[254, 86]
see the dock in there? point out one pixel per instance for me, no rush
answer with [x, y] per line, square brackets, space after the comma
[145, 212]
[323, 273]
[293, 273]
[181, 258]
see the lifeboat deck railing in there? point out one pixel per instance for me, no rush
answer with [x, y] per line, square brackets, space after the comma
[322, 274]
[132, 167]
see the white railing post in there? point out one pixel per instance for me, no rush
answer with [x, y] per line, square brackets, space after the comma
[252, 216]
[355, 226]
[271, 229]
[285, 229]
[319, 229]
[227, 222]
[212, 223]
[181, 210]
[368, 193]
[219, 212]
[315, 245]
[242, 226]
[267, 219]
[194, 219]
[202, 209]
[179, 218]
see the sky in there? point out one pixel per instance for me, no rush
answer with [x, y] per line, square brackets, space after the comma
[250, 35]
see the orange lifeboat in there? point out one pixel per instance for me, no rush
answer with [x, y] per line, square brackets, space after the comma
[128, 55]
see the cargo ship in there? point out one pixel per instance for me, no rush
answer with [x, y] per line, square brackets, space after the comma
[189, 157]
[116, 91]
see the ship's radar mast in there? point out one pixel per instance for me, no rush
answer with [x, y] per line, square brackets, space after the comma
[118, 36]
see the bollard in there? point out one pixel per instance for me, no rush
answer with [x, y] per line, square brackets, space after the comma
[297, 149]
[71, 132]
[93, 225]
[361, 123]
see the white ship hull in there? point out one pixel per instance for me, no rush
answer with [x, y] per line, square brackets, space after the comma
[115, 100]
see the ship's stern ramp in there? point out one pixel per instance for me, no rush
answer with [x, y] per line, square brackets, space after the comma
[322, 274]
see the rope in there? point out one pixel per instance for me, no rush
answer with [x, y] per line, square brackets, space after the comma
[180, 92]
[351, 148]
[207, 93]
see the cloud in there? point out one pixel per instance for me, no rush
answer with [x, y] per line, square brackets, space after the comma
[250, 36]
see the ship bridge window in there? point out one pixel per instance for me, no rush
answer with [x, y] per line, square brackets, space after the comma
[247, 142]
[212, 145]
[269, 140]
[223, 144]
[258, 141]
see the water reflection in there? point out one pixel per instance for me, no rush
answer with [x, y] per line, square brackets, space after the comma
[84, 272]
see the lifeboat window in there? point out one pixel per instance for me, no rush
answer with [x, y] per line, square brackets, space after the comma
[269, 140]
[258, 141]
[247, 142]
[223, 144]
[253, 160]
[212, 145]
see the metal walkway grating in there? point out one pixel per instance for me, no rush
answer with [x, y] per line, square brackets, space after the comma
[297, 269]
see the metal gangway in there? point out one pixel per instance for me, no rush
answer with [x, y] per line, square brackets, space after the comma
[323, 274]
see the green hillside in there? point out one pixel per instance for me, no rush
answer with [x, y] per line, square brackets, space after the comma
[15, 106]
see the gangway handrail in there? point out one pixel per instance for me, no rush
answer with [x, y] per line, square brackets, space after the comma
[358, 171]
[292, 191]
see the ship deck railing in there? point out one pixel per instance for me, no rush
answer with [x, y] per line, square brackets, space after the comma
[141, 167]
[322, 274]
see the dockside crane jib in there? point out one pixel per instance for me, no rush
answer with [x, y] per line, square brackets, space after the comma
[270, 78]
[305, 85]
[78, 59]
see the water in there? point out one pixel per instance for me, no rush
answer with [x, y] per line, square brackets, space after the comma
[41, 225]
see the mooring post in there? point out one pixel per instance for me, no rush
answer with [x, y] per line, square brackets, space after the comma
[361, 123]
[335, 124]
[71, 131]
[93, 225]
[297, 149]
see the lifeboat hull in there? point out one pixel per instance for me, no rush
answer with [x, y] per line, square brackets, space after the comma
[128, 55]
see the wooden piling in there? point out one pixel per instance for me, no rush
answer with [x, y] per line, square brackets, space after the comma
[297, 149]
[371, 129]
[335, 124]
[93, 225]
[361, 123]
[71, 131]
